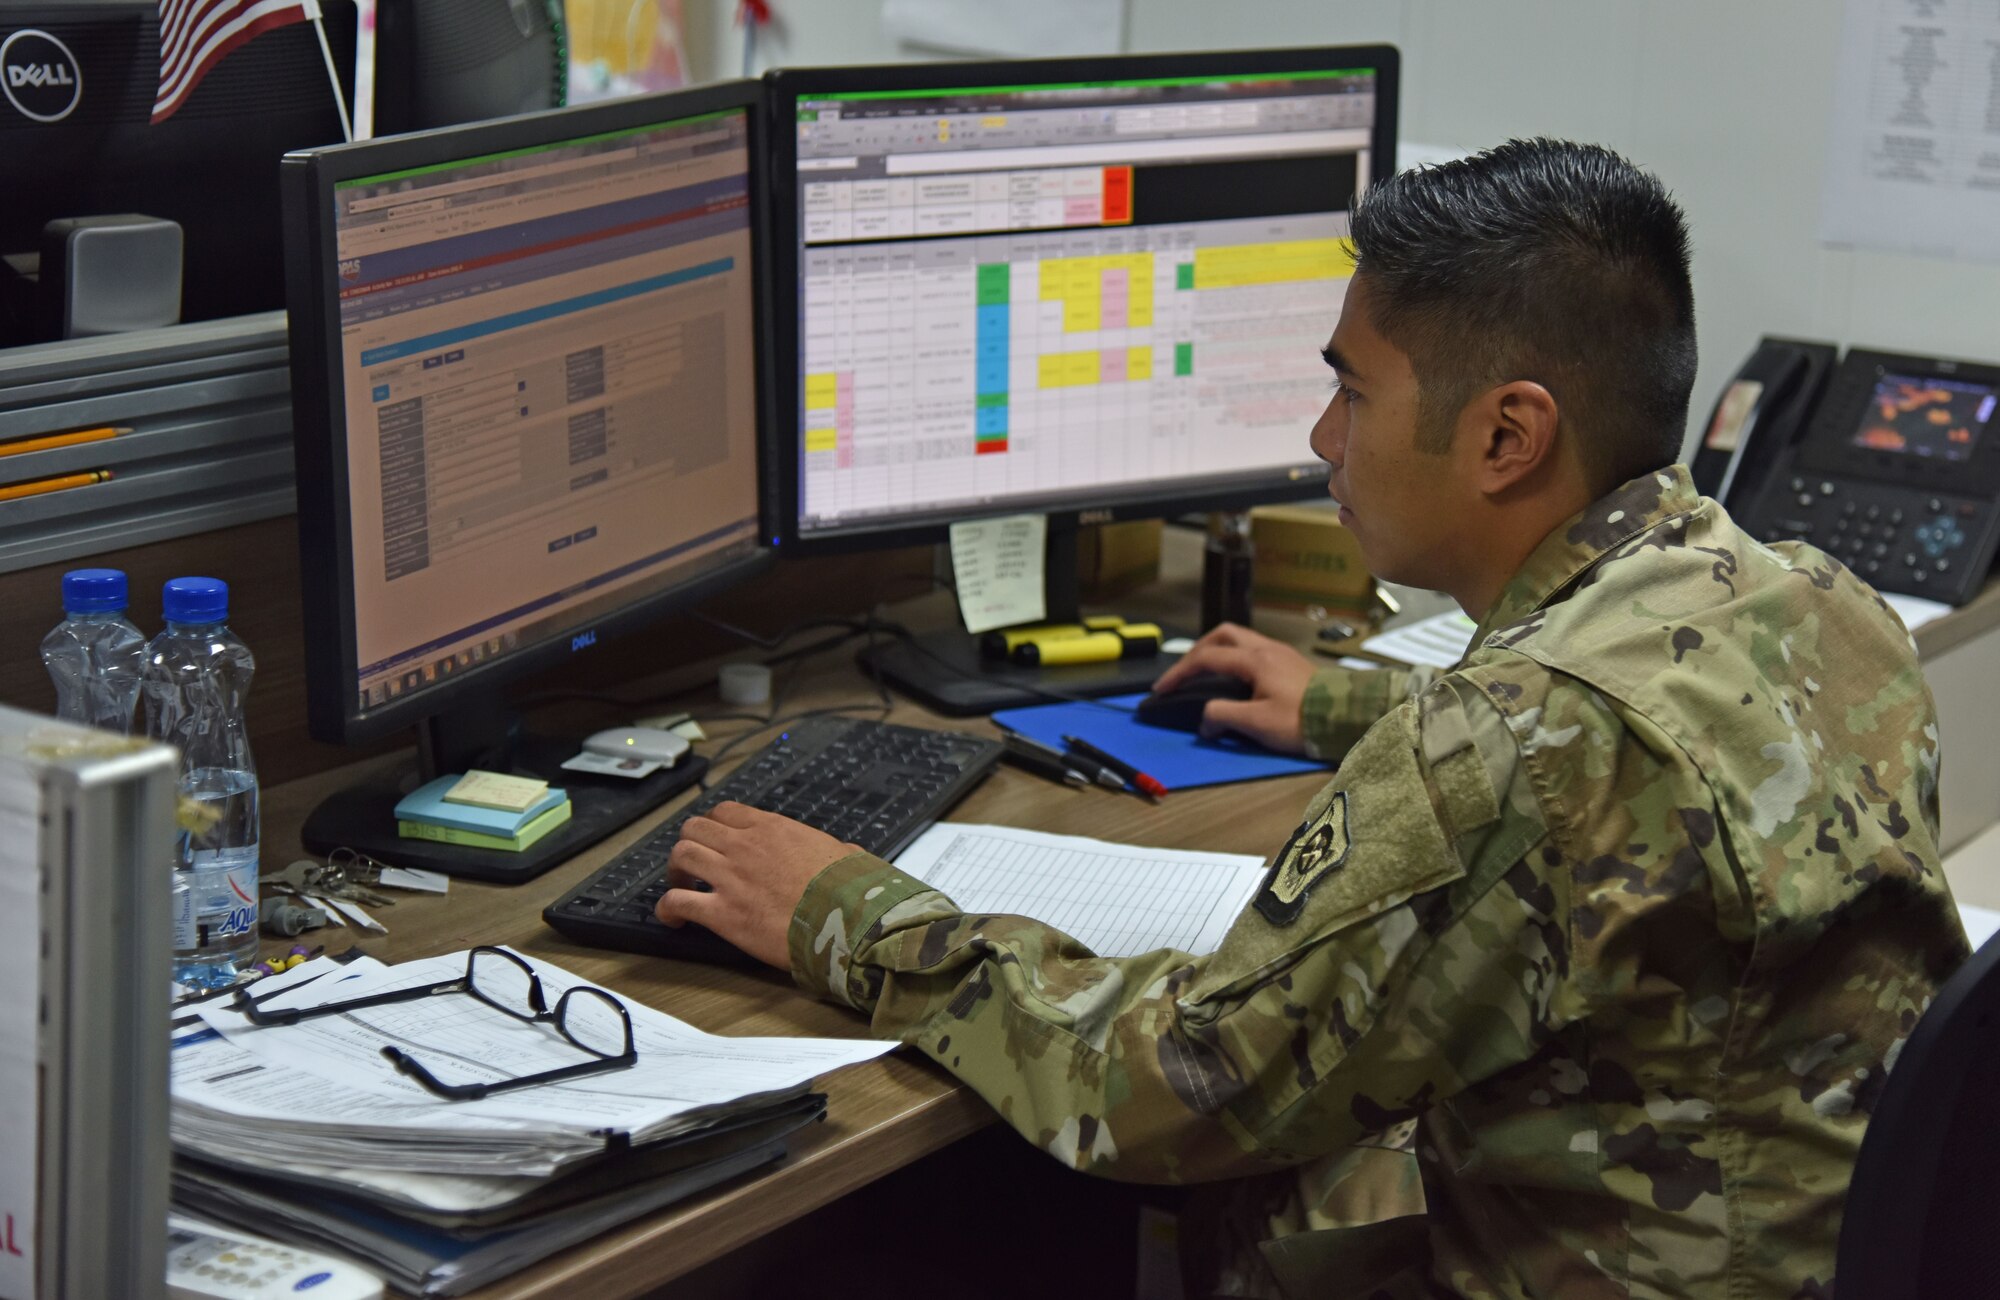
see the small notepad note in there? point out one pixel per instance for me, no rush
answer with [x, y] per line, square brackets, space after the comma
[1117, 899]
[497, 790]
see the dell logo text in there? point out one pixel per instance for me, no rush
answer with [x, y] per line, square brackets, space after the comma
[583, 640]
[39, 75]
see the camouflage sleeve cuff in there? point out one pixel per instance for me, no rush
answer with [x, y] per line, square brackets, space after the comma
[1341, 704]
[834, 918]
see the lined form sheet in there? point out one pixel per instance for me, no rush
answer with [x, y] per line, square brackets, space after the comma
[1117, 899]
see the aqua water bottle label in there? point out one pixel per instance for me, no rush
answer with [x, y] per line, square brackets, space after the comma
[228, 884]
[241, 915]
[187, 934]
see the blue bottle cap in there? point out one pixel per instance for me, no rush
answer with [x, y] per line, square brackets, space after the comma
[194, 600]
[93, 591]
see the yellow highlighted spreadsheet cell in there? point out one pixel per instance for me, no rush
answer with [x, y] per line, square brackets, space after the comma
[821, 439]
[1235, 265]
[822, 392]
[1138, 364]
[1078, 284]
[1069, 369]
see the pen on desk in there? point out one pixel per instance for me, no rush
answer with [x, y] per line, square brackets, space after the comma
[1144, 784]
[38, 487]
[1042, 767]
[1095, 770]
[51, 441]
[1041, 760]
[1091, 769]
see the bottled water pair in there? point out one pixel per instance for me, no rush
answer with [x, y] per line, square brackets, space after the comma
[194, 676]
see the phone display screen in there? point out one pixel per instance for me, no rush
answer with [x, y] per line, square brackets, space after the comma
[1927, 417]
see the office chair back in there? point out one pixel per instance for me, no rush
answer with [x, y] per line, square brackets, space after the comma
[1919, 1219]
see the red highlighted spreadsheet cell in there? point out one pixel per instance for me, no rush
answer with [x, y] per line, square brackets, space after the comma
[1117, 196]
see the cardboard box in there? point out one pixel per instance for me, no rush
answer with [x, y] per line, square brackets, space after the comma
[1112, 559]
[1304, 557]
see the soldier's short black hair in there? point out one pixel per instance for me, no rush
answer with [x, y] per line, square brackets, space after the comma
[1545, 260]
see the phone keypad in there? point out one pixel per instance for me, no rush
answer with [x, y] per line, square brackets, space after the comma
[1897, 539]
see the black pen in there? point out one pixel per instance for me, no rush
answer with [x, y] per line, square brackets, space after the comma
[1045, 767]
[1091, 768]
[1140, 781]
[1095, 770]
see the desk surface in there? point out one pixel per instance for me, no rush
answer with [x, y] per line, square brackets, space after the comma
[881, 1115]
[887, 1113]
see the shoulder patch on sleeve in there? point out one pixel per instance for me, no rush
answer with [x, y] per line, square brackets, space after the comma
[1317, 848]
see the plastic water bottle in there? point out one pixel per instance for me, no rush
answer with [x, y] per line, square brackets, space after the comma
[196, 677]
[94, 655]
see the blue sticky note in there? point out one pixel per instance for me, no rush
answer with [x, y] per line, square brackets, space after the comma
[1179, 760]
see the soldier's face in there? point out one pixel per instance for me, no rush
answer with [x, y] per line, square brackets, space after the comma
[1394, 498]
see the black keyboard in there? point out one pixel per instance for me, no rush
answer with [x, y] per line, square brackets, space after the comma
[871, 783]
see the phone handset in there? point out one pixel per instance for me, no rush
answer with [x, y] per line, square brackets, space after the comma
[1761, 412]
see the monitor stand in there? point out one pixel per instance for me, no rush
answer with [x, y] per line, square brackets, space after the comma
[944, 671]
[480, 732]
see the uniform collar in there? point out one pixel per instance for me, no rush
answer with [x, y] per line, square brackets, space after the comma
[1586, 538]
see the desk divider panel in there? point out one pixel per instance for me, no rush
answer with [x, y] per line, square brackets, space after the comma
[210, 413]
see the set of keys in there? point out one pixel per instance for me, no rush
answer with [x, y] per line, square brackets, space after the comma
[345, 874]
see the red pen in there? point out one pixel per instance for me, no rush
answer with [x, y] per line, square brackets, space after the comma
[1146, 785]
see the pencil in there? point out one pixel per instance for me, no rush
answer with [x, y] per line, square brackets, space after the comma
[51, 441]
[61, 483]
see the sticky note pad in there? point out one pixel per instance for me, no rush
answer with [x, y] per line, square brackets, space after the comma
[497, 790]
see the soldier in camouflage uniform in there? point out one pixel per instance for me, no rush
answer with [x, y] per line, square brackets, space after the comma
[1579, 979]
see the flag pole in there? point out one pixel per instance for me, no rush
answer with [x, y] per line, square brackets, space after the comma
[311, 8]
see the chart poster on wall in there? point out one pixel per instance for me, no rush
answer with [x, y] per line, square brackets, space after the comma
[1913, 156]
[1045, 28]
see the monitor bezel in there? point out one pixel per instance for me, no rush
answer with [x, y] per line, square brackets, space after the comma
[307, 181]
[788, 85]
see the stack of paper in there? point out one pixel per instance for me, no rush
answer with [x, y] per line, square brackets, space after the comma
[306, 1131]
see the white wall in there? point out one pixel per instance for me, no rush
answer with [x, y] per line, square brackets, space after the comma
[1726, 100]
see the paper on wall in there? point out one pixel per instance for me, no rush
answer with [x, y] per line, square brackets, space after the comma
[1037, 27]
[1913, 157]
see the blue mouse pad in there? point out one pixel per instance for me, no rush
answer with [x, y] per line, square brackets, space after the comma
[1179, 760]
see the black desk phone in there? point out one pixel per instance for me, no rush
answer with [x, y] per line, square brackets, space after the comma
[1889, 463]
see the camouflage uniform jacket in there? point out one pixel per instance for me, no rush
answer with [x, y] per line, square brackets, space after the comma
[1587, 963]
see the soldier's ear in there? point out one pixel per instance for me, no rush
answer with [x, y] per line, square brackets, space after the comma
[1515, 426]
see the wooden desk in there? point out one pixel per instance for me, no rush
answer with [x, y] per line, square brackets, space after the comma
[886, 1114]
[882, 1115]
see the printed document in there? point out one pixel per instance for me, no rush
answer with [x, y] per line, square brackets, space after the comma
[1913, 156]
[1116, 899]
[327, 1080]
[1439, 641]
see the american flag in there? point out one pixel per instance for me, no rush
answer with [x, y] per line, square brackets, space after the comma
[194, 34]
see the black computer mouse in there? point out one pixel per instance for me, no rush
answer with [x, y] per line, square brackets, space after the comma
[1180, 708]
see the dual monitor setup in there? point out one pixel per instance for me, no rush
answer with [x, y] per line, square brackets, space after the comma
[560, 375]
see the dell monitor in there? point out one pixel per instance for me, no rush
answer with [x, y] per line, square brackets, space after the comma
[526, 404]
[78, 79]
[1087, 289]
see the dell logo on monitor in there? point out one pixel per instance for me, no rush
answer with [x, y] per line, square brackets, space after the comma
[39, 75]
[583, 640]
